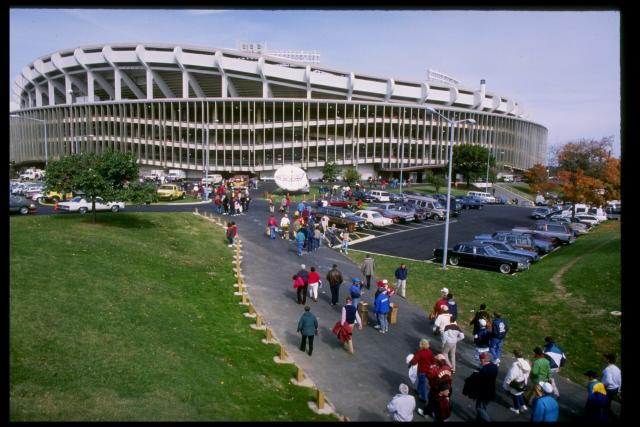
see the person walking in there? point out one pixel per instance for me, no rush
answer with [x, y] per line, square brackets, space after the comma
[486, 387]
[401, 279]
[317, 238]
[381, 307]
[451, 335]
[272, 225]
[441, 321]
[298, 285]
[333, 233]
[345, 241]
[351, 316]
[515, 382]
[402, 405]
[334, 277]
[300, 238]
[355, 291]
[272, 206]
[481, 340]
[499, 331]
[482, 313]
[439, 375]
[314, 282]
[284, 226]
[544, 407]
[556, 358]
[424, 359]
[612, 380]
[368, 269]
[453, 307]
[595, 407]
[308, 328]
[304, 275]
[229, 234]
[540, 372]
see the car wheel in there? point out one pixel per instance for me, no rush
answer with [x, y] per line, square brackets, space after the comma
[454, 260]
[24, 210]
[115, 208]
[505, 268]
[82, 211]
[368, 225]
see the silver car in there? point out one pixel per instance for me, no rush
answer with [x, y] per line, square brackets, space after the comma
[405, 213]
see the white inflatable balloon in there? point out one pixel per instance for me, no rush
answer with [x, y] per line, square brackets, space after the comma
[291, 178]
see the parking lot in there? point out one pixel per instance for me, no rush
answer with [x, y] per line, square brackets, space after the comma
[418, 240]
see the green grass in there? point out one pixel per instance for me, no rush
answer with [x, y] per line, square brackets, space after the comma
[134, 318]
[576, 313]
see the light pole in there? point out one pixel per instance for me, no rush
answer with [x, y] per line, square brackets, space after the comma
[44, 122]
[401, 152]
[451, 123]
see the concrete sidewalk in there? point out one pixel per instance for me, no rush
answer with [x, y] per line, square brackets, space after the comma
[359, 386]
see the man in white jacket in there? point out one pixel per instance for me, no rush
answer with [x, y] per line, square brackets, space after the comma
[450, 336]
[515, 382]
[402, 405]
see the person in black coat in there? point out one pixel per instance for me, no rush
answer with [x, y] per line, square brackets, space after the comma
[485, 386]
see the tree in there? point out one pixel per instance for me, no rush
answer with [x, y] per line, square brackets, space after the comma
[351, 175]
[470, 161]
[330, 171]
[106, 175]
[436, 179]
[580, 188]
[538, 178]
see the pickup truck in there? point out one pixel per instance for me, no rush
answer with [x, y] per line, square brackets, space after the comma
[170, 191]
[340, 217]
[477, 254]
[550, 229]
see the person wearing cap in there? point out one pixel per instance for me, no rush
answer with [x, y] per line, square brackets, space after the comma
[486, 386]
[368, 269]
[402, 405]
[308, 328]
[540, 372]
[544, 407]
[424, 359]
[481, 340]
[350, 315]
[499, 329]
[438, 374]
[334, 277]
[595, 407]
[401, 279]
[355, 291]
[450, 337]
[612, 380]
[442, 320]
[304, 275]
[381, 307]
[515, 382]
[482, 313]
[437, 308]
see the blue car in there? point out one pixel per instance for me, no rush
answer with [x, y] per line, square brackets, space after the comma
[506, 248]
[470, 202]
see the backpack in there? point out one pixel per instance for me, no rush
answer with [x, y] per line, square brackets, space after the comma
[470, 388]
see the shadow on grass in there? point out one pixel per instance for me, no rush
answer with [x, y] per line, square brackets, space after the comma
[108, 219]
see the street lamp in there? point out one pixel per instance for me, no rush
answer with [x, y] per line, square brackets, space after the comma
[46, 153]
[451, 123]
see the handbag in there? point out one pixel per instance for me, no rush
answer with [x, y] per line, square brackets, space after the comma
[518, 385]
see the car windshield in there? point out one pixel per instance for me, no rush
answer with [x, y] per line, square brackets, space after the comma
[76, 199]
[375, 215]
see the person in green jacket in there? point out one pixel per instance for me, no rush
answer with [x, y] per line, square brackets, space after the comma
[308, 327]
[540, 372]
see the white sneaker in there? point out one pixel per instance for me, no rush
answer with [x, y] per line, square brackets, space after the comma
[514, 410]
[377, 326]
[523, 408]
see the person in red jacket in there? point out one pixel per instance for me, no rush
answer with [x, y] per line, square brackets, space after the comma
[424, 359]
[438, 374]
[298, 285]
[272, 224]
[314, 282]
[442, 302]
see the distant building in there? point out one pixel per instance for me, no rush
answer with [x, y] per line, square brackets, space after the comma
[169, 105]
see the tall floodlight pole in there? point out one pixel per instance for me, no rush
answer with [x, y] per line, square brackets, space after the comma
[446, 226]
[486, 183]
[206, 166]
[44, 122]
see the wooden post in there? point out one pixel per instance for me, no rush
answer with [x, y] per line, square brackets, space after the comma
[196, 210]
[299, 375]
[251, 309]
[320, 399]
[269, 338]
[258, 321]
[283, 353]
[244, 298]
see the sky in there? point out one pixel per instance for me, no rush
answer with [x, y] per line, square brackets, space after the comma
[563, 67]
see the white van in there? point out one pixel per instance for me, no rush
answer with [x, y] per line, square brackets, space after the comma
[379, 196]
[599, 213]
[487, 197]
[433, 207]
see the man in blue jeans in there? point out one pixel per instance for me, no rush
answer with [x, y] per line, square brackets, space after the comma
[499, 331]
[300, 238]
[381, 308]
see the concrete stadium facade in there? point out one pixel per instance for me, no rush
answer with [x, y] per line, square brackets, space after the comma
[228, 111]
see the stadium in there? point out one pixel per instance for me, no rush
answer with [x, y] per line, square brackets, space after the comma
[231, 111]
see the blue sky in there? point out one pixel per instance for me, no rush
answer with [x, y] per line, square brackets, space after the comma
[563, 67]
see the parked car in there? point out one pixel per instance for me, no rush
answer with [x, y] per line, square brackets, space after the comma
[170, 192]
[477, 254]
[550, 229]
[614, 212]
[82, 206]
[506, 248]
[520, 240]
[540, 213]
[21, 204]
[573, 223]
[362, 195]
[590, 220]
[340, 216]
[341, 202]
[434, 209]
[469, 202]
[385, 213]
[421, 213]
[456, 206]
[397, 198]
[405, 214]
[373, 218]
[379, 195]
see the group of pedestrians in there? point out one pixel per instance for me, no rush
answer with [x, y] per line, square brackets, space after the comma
[231, 201]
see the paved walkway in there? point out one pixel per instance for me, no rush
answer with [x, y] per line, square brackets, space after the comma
[360, 385]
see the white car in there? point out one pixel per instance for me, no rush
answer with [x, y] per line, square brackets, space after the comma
[82, 206]
[590, 220]
[373, 218]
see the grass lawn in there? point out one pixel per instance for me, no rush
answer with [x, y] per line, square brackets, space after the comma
[575, 309]
[134, 318]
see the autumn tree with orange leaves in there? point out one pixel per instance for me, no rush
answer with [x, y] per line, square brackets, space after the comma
[538, 179]
[588, 173]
